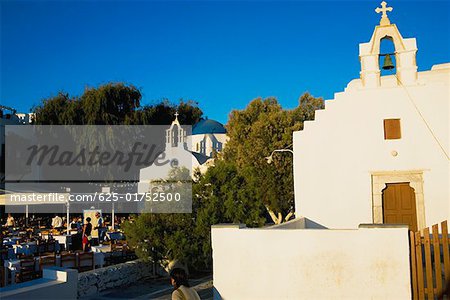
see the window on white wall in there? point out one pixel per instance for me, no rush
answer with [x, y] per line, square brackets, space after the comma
[202, 147]
[392, 130]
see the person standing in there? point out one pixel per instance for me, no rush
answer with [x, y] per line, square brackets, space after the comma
[87, 237]
[182, 290]
[57, 222]
[74, 225]
[100, 227]
[76, 234]
[10, 221]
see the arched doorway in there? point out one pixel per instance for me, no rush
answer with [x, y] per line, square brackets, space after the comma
[399, 205]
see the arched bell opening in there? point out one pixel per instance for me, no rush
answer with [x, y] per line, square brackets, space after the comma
[386, 58]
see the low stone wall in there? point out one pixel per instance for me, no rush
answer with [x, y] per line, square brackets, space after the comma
[91, 282]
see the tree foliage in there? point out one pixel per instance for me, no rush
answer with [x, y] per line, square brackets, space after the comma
[112, 104]
[254, 133]
[187, 237]
[240, 188]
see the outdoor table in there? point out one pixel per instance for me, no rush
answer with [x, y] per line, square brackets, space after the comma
[25, 248]
[9, 241]
[64, 240]
[13, 265]
[116, 235]
[61, 239]
[102, 248]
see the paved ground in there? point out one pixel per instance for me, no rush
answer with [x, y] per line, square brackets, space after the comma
[159, 289]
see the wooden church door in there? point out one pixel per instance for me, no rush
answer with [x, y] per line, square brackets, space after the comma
[399, 205]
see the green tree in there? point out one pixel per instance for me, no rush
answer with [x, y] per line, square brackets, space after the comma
[112, 104]
[222, 195]
[254, 133]
[166, 236]
[162, 237]
[240, 188]
[58, 110]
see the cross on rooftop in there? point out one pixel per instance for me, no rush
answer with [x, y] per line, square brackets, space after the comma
[176, 114]
[383, 10]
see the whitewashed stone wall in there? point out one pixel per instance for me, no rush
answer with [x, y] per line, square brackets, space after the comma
[271, 263]
[91, 282]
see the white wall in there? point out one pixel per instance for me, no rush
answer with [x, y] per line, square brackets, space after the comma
[162, 171]
[311, 263]
[336, 154]
[56, 283]
[218, 137]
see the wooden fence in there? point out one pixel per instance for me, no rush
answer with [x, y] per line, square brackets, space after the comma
[430, 263]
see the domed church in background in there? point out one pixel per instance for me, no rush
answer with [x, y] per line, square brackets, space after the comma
[194, 151]
[208, 138]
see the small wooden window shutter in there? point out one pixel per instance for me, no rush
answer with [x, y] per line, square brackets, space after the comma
[392, 130]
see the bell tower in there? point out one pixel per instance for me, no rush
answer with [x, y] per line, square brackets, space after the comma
[176, 134]
[405, 53]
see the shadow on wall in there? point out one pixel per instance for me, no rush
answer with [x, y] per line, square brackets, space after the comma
[300, 223]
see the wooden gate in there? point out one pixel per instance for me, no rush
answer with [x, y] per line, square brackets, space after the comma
[430, 263]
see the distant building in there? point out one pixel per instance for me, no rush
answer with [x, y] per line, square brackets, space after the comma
[208, 139]
[25, 118]
[195, 151]
[9, 116]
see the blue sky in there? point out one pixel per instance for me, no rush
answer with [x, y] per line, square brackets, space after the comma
[221, 54]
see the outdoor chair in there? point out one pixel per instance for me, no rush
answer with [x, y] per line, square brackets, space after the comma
[46, 261]
[27, 270]
[117, 253]
[51, 246]
[128, 253]
[68, 260]
[85, 261]
[41, 248]
[4, 254]
[2, 276]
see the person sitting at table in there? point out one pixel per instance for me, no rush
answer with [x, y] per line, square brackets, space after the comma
[57, 222]
[87, 237]
[10, 221]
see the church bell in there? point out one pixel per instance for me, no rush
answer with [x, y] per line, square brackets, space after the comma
[388, 65]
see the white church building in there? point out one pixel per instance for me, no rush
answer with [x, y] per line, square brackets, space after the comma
[208, 139]
[194, 151]
[375, 158]
[379, 151]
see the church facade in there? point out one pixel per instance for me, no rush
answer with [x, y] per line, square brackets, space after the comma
[379, 151]
[194, 150]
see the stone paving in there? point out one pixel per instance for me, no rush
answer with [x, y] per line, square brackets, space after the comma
[159, 289]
